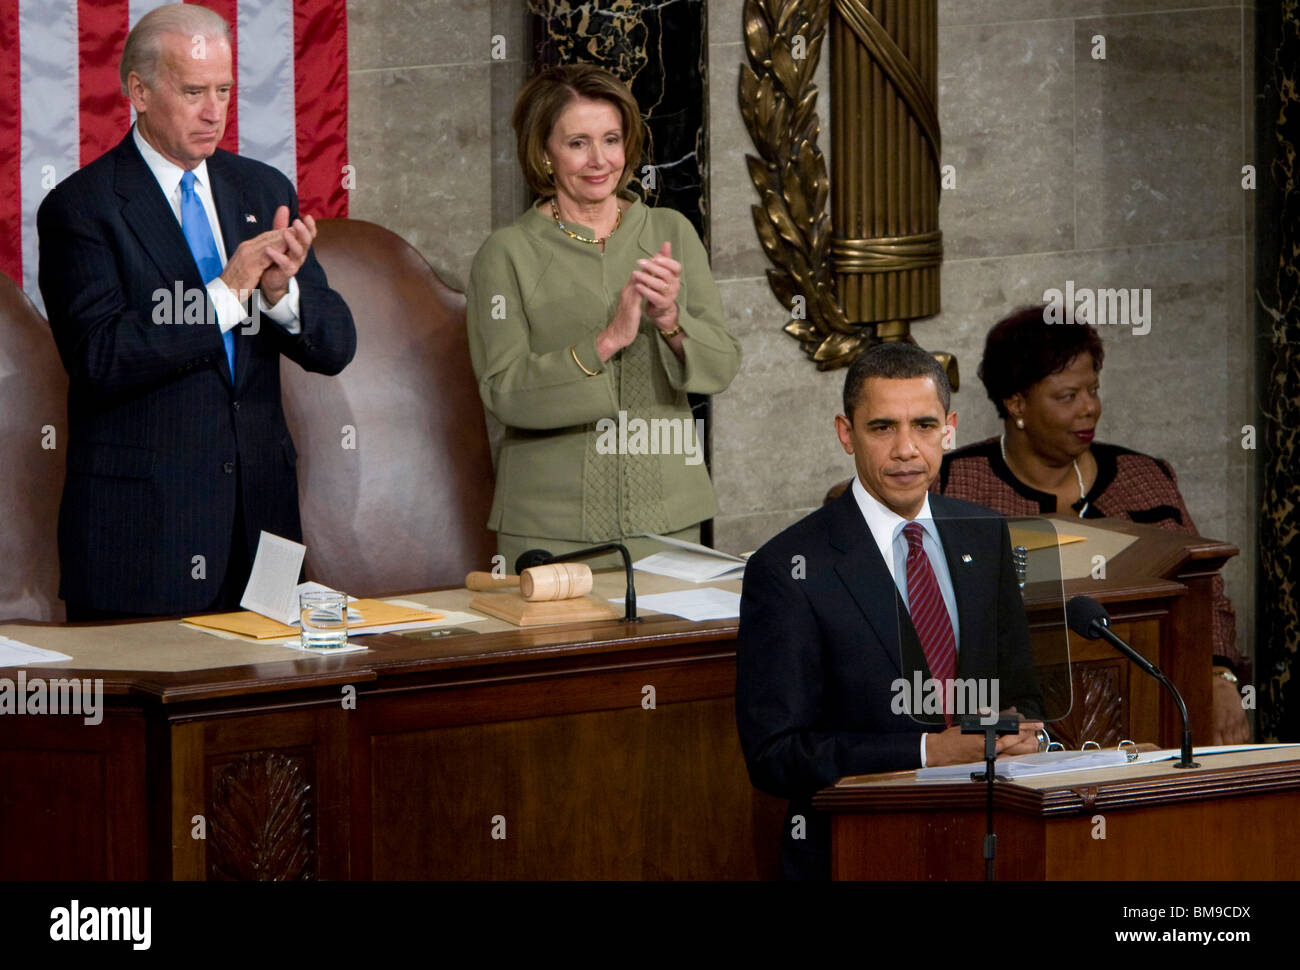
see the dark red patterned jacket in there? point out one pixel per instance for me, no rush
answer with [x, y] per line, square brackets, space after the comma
[1129, 485]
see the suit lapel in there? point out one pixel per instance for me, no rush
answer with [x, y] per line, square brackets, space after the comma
[232, 203]
[149, 215]
[865, 575]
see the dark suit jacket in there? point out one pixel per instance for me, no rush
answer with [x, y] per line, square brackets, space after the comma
[823, 636]
[156, 431]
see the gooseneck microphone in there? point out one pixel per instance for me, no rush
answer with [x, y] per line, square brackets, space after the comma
[1089, 619]
[541, 557]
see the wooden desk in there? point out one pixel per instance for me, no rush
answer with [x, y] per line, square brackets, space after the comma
[1137, 822]
[539, 735]
[543, 728]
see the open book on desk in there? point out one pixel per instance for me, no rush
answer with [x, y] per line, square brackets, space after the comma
[1048, 762]
[691, 561]
[1025, 765]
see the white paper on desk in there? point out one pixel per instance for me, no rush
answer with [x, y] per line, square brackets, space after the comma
[1170, 754]
[450, 618]
[16, 654]
[1023, 766]
[691, 561]
[709, 603]
[273, 584]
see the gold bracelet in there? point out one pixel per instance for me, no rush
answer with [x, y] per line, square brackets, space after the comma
[670, 334]
[573, 352]
[1225, 673]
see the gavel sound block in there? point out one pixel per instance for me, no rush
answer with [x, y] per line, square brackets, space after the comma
[555, 593]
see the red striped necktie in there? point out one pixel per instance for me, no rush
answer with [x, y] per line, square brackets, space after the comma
[929, 612]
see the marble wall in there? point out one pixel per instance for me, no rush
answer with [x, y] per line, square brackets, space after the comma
[1117, 172]
[431, 86]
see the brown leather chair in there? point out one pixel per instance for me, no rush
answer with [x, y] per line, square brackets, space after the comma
[835, 491]
[394, 467]
[33, 434]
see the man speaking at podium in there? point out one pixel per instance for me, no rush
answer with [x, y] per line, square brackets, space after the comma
[178, 451]
[883, 581]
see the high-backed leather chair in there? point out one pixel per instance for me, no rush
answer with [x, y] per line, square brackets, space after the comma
[33, 443]
[394, 466]
[836, 490]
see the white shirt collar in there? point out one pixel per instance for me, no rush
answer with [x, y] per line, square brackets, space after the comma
[885, 523]
[167, 172]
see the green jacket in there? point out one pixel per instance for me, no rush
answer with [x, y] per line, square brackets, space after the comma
[579, 457]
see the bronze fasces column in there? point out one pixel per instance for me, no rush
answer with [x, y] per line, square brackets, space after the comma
[865, 272]
[887, 247]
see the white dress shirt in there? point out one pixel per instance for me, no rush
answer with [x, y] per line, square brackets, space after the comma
[229, 311]
[886, 528]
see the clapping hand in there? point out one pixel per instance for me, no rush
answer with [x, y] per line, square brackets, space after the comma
[287, 259]
[248, 263]
[658, 281]
[622, 330]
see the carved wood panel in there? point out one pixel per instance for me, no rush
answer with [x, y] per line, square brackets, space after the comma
[262, 818]
[1096, 711]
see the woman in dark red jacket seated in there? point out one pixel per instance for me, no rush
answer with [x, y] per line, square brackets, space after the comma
[1043, 380]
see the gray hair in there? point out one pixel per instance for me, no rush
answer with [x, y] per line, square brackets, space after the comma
[143, 48]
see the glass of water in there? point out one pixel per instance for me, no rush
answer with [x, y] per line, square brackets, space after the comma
[324, 619]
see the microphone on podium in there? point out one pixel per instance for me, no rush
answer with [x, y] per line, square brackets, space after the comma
[1089, 619]
[542, 557]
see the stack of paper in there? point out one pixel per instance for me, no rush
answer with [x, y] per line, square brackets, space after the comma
[699, 605]
[270, 600]
[1033, 540]
[14, 653]
[1025, 765]
[1169, 754]
[364, 616]
[692, 562]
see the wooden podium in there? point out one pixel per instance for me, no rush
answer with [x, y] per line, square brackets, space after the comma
[1232, 818]
[1159, 594]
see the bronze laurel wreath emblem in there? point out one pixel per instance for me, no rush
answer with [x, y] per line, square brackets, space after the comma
[778, 102]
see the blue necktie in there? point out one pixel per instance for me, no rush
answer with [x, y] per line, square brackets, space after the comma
[198, 233]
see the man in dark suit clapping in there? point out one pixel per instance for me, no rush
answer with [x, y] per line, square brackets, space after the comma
[174, 276]
[841, 610]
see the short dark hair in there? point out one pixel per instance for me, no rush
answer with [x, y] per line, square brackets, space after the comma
[1024, 348]
[893, 361]
[542, 100]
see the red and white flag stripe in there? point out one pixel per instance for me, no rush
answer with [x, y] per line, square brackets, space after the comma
[61, 104]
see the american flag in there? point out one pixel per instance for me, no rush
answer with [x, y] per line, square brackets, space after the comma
[61, 104]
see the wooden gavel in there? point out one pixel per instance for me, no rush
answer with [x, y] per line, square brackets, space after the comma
[556, 581]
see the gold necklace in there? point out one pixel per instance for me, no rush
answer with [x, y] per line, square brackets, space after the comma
[555, 213]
